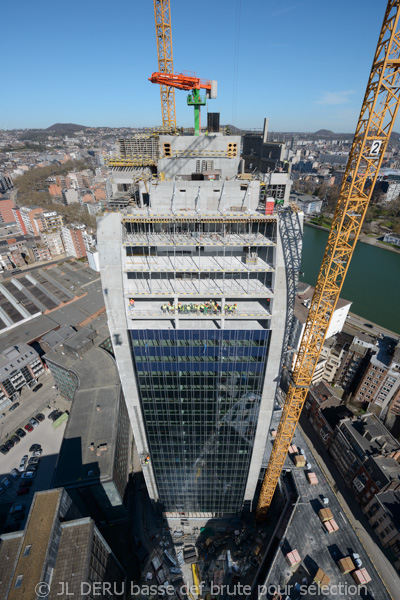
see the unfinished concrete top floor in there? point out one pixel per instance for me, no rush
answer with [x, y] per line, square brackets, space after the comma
[199, 230]
[201, 197]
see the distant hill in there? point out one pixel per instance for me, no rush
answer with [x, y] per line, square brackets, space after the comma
[327, 132]
[66, 127]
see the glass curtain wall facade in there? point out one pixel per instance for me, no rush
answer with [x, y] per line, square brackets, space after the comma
[200, 394]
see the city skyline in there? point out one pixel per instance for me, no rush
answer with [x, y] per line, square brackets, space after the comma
[291, 64]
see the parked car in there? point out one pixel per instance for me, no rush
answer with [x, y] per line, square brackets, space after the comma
[2, 415]
[39, 417]
[14, 474]
[33, 461]
[51, 415]
[37, 452]
[56, 416]
[19, 516]
[26, 484]
[17, 508]
[9, 444]
[31, 468]
[35, 447]
[20, 433]
[3, 449]
[22, 491]
[22, 463]
[28, 427]
[33, 422]
[15, 439]
[6, 482]
[28, 475]
[37, 387]
[13, 406]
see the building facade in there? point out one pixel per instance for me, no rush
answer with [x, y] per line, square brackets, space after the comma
[73, 241]
[383, 513]
[381, 380]
[357, 447]
[195, 286]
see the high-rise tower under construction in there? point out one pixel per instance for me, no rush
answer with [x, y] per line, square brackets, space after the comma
[198, 278]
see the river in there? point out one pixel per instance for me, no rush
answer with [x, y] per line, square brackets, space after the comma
[372, 283]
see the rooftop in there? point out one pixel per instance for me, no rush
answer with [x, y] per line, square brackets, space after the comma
[370, 434]
[303, 303]
[37, 534]
[383, 469]
[54, 338]
[93, 420]
[14, 358]
[385, 350]
[390, 500]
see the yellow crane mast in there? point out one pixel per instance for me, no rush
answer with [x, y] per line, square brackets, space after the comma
[162, 15]
[377, 117]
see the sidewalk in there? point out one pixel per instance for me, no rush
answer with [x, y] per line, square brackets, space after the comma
[356, 517]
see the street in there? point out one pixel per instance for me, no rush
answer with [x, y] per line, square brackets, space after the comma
[356, 517]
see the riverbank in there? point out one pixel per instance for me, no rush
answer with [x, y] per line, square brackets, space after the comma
[363, 238]
[372, 283]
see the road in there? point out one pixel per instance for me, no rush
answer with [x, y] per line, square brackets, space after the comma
[359, 324]
[354, 514]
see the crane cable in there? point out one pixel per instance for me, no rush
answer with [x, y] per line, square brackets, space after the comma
[236, 60]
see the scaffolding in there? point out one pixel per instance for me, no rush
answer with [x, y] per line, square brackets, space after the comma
[191, 231]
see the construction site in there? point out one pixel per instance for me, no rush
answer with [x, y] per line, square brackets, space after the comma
[199, 258]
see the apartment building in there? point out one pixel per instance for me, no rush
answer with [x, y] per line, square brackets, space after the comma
[357, 446]
[28, 217]
[74, 244]
[381, 380]
[6, 210]
[383, 513]
[325, 410]
[53, 241]
[357, 351]
[20, 366]
[48, 220]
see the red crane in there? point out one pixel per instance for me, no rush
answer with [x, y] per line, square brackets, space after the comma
[184, 81]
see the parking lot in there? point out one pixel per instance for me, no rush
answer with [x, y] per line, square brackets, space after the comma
[30, 403]
[50, 440]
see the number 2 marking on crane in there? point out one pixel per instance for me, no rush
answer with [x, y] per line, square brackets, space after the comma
[375, 148]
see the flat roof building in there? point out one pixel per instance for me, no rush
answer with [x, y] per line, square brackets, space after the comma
[59, 551]
[95, 455]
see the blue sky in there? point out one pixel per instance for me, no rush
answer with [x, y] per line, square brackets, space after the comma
[302, 63]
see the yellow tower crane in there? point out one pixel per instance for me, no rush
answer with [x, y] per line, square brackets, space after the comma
[162, 15]
[377, 117]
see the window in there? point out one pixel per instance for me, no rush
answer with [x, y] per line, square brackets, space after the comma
[18, 581]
